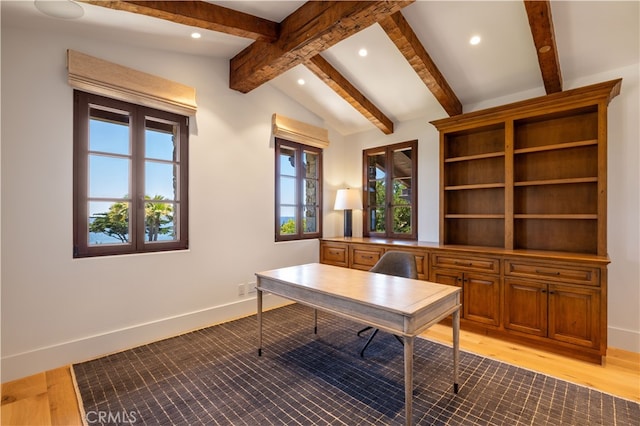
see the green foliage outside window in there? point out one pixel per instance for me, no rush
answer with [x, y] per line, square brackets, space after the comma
[115, 222]
[289, 227]
[401, 215]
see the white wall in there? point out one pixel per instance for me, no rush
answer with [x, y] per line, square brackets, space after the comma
[623, 191]
[56, 309]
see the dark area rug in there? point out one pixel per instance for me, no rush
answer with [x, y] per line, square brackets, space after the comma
[213, 376]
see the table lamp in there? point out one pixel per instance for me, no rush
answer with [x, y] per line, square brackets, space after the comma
[348, 200]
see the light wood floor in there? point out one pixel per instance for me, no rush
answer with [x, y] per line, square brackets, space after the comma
[49, 398]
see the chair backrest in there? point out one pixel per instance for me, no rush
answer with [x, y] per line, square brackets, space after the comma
[397, 263]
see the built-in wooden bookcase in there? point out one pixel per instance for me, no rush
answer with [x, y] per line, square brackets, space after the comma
[529, 175]
[523, 216]
[473, 176]
[556, 175]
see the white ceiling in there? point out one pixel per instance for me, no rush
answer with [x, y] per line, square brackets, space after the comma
[591, 36]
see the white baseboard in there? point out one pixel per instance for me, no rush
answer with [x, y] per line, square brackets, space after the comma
[628, 340]
[46, 358]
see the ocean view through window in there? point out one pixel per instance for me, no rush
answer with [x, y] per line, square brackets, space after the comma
[130, 178]
[298, 206]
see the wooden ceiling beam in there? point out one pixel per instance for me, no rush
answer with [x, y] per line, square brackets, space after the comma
[201, 14]
[332, 78]
[405, 39]
[541, 23]
[311, 29]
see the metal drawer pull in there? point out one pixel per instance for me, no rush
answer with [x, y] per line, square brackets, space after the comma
[547, 272]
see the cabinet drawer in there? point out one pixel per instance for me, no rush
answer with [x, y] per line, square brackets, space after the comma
[467, 263]
[334, 254]
[364, 257]
[446, 276]
[553, 272]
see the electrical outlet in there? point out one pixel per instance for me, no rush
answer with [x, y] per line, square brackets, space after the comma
[242, 289]
[252, 287]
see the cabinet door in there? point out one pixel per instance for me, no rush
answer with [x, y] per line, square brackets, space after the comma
[481, 295]
[574, 315]
[448, 277]
[525, 307]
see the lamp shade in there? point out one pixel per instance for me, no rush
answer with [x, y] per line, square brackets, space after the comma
[348, 199]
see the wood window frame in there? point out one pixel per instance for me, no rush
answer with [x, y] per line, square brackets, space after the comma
[137, 244]
[299, 205]
[388, 150]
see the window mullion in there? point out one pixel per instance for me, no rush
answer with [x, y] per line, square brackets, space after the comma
[299, 193]
[137, 185]
[389, 191]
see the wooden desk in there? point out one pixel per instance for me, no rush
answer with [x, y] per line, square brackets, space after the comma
[401, 306]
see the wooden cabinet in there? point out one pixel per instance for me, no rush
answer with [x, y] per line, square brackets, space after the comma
[559, 301]
[528, 182]
[574, 315]
[553, 300]
[523, 216]
[526, 311]
[567, 314]
[481, 298]
[480, 281]
[530, 175]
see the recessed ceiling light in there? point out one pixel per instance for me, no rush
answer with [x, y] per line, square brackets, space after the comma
[196, 35]
[363, 52]
[63, 9]
[301, 82]
[475, 40]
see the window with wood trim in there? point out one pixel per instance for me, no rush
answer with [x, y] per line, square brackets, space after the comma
[130, 178]
[298, 191]
[390, 201]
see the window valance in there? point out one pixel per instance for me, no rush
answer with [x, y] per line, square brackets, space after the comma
[297, 131]
[105, 78]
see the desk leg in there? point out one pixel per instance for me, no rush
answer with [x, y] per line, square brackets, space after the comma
[259, 299]
[315, 321]
[408, 379]
[456, 348]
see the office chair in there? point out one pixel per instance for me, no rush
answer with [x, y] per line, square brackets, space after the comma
[396, 263]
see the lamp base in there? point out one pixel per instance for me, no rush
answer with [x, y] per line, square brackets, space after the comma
[348, 223]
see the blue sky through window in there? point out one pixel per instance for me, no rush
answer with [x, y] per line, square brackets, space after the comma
[110, 163]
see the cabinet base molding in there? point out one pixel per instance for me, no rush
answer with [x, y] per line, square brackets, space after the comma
[592, 356]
